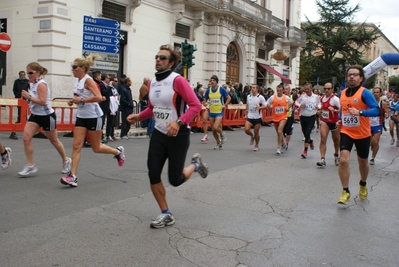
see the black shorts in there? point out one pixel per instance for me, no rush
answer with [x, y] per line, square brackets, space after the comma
[331, 126]
[90, 124]
[47, 122]
[255, 121]
[362, 145]
[288, 126]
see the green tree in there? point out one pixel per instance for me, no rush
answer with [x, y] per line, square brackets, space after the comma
[334, 42]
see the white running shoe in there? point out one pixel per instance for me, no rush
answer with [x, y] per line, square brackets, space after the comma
[66, 166]
[256, 148]
[278, 152]
[28, 170]
[6, 158]
[392, 141]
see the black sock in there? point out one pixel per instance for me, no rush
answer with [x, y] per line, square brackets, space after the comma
[306, 149]
[347, 190]
[362, 183]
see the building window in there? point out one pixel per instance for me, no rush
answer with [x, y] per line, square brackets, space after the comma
[182, 30]
[262, 53]
[114, 11]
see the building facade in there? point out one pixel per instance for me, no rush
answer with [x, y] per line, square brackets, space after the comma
[238, 40]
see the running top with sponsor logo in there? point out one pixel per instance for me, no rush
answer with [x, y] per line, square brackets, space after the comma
[378, 120]
[327, 115]
[216, 99]
[312, 104]
[35, 108]
[279, 106]
[168, 100]
[90, 110]
[393, 106]
[253, 102]
[357, 126]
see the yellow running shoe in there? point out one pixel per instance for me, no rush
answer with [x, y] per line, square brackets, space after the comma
[363, 192]
[344, 197]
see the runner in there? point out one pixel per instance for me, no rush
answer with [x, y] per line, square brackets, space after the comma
[255, 102]
[377, 123]
[219, 99]
[394, 122]
[330, 108]
[279, 103]
[289, 126]
[357, 104]
[308, 103]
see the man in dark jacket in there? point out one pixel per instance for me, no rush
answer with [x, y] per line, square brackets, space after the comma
[19, 84]
[125, 107]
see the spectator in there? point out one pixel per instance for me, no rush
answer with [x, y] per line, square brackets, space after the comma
[113, 109]
[126, 107]
[143, 99]
[19, 84]
[102, 80]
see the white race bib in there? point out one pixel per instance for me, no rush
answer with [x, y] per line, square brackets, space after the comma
[162, 114]
[279, 110]
[252, 110]
[374, 121]
[325, 114]
[309, 106]
[215, 101]
[350, 121]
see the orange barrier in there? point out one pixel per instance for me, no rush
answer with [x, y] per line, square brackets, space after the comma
[66, 115]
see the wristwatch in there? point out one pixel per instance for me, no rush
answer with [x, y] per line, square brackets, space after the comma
[180, 123]
[361, 112]
[82, 101]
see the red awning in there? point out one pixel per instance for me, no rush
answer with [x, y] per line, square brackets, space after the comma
[284, 79]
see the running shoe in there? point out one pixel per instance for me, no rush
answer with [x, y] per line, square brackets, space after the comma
[303, 139]
[163, 220]
[304, 154]
[70, 180]
[125, 137]
[256, 148]
[251, 142]
[311, 145]
[363, 192]
[202, 167]
[336, 159]
[121, 156]
[110, 139]
[222, 137]
[205, 139]
[345, 196]
[278, 152]
[28, 170]
[372, 162]
[66, 166]
[392, 141]
[321, 163]
[6, 158]
[285, 147]
[218, 146]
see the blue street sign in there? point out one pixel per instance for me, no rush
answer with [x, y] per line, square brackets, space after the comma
[101, 35]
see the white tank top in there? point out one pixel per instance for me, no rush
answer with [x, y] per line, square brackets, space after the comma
[163, 99]
[87, 110]
[37, 109]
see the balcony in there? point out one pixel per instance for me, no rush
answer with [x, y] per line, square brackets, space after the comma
[278, 28]
[245, 9]
[296, 37]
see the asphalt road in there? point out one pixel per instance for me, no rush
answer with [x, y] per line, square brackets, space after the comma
[254, 209]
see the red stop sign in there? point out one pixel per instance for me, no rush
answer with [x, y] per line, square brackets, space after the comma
[5, 42]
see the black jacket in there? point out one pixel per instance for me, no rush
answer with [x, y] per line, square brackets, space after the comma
[126, 100]
[20, 85]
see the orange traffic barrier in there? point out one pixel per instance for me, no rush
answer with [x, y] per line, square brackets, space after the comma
[66, 115]
[234, 115]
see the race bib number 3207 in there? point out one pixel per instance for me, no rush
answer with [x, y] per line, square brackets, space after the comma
[162, 114]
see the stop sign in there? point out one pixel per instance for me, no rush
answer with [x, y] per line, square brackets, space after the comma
[5, 42]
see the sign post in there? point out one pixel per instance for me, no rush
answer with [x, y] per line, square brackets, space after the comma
[102, 36]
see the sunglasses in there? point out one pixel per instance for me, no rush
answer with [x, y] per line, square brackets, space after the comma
[115, 81]
[74, 67]
[31, 72]
[161, 57]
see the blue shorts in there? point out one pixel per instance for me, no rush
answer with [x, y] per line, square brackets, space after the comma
[216, 115]
[376, 129]
[332, 126]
